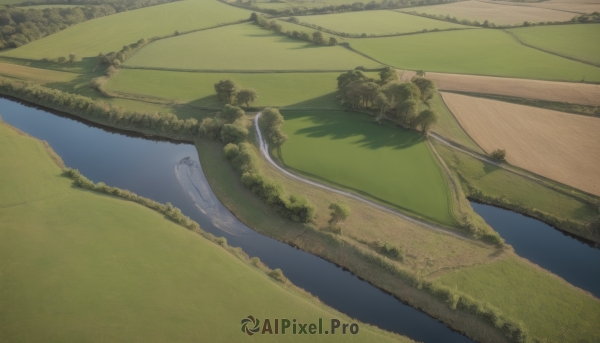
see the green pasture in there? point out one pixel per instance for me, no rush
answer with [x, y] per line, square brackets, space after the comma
[112, 32]
[244, 47]
[549, 307]
[377, 22]
[385, 162]
[496, 182]
[274, 89]
[90, 267]
[578, 41]
[482, 52]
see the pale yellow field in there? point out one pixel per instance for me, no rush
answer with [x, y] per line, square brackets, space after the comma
[35, 74]
[495, 13]
[576, 93]
[575, 6]
[560, 146]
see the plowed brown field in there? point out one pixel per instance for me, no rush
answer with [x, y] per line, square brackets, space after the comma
[577, 93]
[560, 146]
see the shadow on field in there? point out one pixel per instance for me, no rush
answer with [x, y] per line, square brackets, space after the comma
[336, 125]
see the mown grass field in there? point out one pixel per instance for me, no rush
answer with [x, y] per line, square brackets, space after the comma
[495, 182]
[577, 41]
[86, 261]
[377, 22]
[499, 14]
[385, 162]
[551, 309]
[244, 47]
[41, 76]
[484, 52]
[112, 32]
[274, 89]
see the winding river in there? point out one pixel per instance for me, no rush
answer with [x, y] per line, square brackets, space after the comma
[170, 172]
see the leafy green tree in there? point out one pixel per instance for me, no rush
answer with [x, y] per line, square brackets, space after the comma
[339, 213]
[406, 113]
[72, 58]
[383, 104]
[317, 38]
[498, 155]
[246, 96]
[333, 41]
[231, 113]
[273, 121]
[402, 91]
[426, 119]
[387, 75]
[421, 73]
[367, 92]
[352, 75]
[233, 133]
[426, 86]
[226, 90]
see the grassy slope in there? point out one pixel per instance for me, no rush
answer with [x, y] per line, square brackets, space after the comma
[376, 22]
[578, 41]
[41, 76]
[275, 89]
[244, 47]
[447, 125]
[86, 261]
[112, 32]
[388, 163]
[496, 182]
[550, 309]
[484, 52]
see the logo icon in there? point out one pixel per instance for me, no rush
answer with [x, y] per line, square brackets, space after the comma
[250, 325]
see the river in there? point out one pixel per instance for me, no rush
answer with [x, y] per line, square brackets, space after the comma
[170, 172]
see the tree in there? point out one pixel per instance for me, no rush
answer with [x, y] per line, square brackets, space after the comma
[426, 86]
[339, 213]
[246, 96]
[367, 92]
[421, 73]
[383, 104]
[388, 74]
[273, 121]
[498, 155]
[333, 41]
[402, 91]
[233, 133]
[231, 113]
[406, 113]
[254, 17]
[352, 75]
[72, 58]
[426, 119]
[317, 38]
[226, 90]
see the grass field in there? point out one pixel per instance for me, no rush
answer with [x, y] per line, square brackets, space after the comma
[376, 22]
[274, 89]
[494, 13]
[568, 92]
[484, 52]
[41, 76]
[244, 47]
[112, 32]
[388, 163]
[86, 260]
[497, 182]
[551, 309]
[577, 41]
[560, 146]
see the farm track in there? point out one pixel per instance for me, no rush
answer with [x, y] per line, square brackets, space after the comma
[264, 149]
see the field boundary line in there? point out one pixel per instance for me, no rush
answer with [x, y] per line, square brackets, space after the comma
[264, 149]
[524, 4]
[242, 71]
[522, 42]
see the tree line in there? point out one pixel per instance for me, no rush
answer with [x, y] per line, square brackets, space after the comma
[316, 37]
[19, 26]
[388, 97]
[357, 6]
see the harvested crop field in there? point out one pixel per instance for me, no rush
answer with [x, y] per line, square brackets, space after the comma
[559, 146]
[497, 14]
[577, 93]
[576, 6]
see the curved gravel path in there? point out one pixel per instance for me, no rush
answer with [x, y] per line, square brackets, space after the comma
[264, 149]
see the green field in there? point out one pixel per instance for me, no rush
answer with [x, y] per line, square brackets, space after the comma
[551, 309]
[274, 89]
[112, 32]
[244, 47]
[87, 261]
[482, 52]
[385, 162]
[578, 41]
[496, 182]
[377, 22]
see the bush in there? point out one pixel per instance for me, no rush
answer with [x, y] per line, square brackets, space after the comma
[277, 274]
[498, 155]
[233, 133]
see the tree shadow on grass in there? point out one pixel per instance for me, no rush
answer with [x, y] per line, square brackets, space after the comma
[369, 134]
